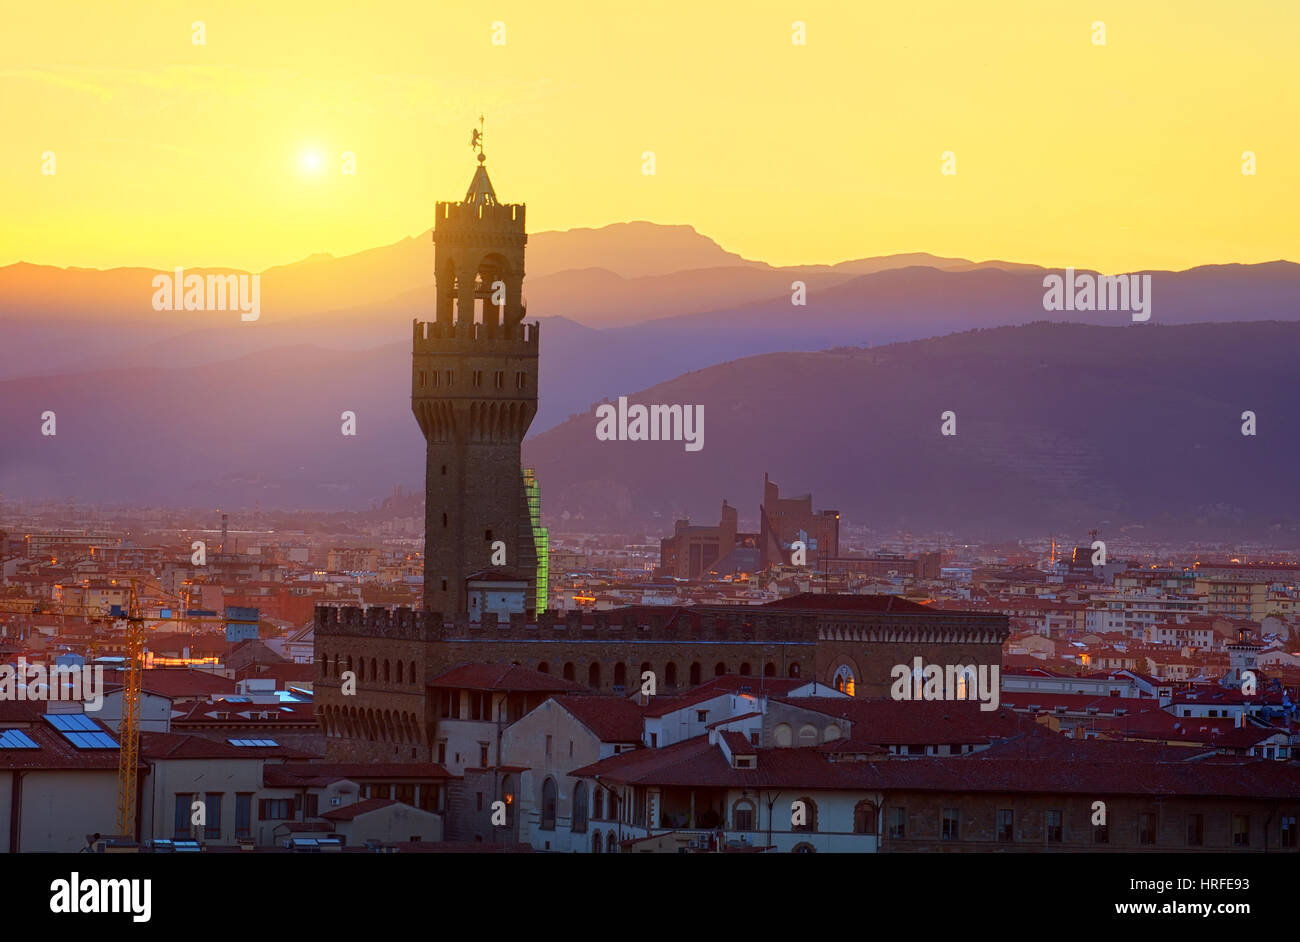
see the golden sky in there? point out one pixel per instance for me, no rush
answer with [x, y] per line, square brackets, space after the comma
[1114, 157]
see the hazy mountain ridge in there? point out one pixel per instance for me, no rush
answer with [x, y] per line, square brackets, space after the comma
[1060, 427]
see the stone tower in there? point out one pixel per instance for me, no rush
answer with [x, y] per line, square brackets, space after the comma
[474, 393]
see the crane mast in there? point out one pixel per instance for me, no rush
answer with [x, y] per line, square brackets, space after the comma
[128, 729]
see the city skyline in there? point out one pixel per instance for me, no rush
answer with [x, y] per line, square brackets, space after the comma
[870, 493]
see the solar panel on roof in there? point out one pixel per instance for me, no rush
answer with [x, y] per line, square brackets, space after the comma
[252, 742]
[71, 722]
[96, 740]
[16, 739]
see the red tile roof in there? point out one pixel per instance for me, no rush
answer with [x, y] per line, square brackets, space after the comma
[695, 763]
[732, 719]
[1159, 725]
[662, 706]
[182, 746]
[357, 808]
[916, 722]
[738, 743]
[21, 711]
[285, 673]
[610, 719]
[745, 683]
[1075, 702]
[509, 677]
[176, 682]
[56, 753]
[820, 602]
[292, 715]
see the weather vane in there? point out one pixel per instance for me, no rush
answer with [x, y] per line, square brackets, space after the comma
[476, 139]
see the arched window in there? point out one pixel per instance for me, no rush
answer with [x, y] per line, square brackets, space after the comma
[809, 816]
[412, 674]
[695, 674]
[399, 672]
[844, 680]
[742, 815]
[966, 682]
[783, 735]
[548, 804]
[580, 808]
[374, 669]
[620, 674]
[508, 796]
[807, 735]
[670, 674]
[598, 803]
[794, 670]
[593, 675]
[611, 844]
[769, 669]
[596, 842]
[744, 669]
[864, 818]
[349, 662]
[804, 848]
[568, 670]
[719, 669]
[543, 668]
[361, 668]
[387, 677]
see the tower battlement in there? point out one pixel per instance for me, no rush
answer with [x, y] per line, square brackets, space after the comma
[727, 624]
[463, 218]
[404, 624]
[435, 337]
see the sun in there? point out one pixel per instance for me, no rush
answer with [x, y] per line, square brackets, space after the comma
[311, 162]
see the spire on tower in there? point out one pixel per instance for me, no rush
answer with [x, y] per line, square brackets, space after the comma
[480, 188]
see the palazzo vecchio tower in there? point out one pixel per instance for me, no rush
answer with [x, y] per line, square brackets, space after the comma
[474, 393]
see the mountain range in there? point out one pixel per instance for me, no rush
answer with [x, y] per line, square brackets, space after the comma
[199, 407]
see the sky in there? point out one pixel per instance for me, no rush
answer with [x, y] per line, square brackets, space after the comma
[1115, 157]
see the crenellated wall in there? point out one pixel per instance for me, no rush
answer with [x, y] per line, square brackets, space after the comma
[394, 720]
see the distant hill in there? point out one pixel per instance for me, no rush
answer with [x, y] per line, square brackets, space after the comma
[1060, 427]
[604, 333]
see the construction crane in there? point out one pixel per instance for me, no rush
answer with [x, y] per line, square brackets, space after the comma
[128, 730]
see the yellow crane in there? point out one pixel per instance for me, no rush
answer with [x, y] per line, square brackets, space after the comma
[128, 730]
